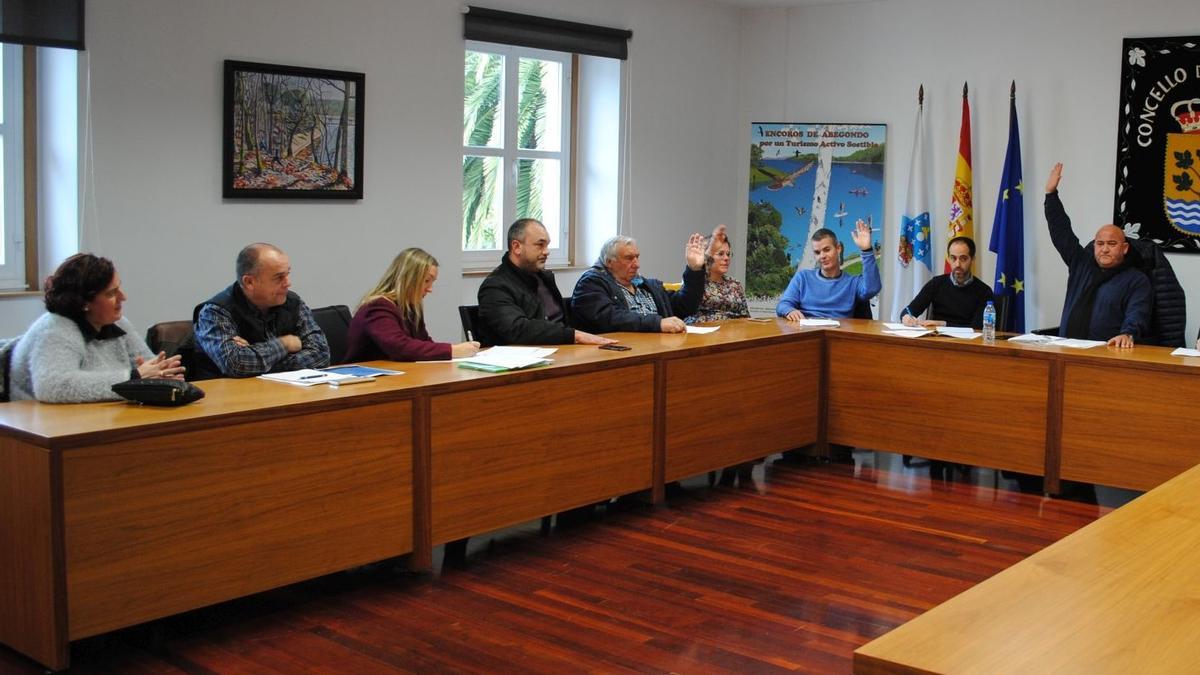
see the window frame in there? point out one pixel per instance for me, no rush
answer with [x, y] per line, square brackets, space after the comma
[561, 255]
[13, 226]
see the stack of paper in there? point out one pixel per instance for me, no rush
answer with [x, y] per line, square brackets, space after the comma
[1055, 341]
[956, 332]
[500, 359]
[1183, 351]
[1034, 339]
[908, 332]
[307, 377]
[701, 330]
[815, 323]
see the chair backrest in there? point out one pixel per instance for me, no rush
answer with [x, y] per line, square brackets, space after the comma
[1168, 311]
[7, 345]
[862, 309]
[169, 336]
[1002, 303]
[174, 337]
[334, 321]
[469, 316]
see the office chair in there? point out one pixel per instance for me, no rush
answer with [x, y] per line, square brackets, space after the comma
[469, 316]
[7, 345]
[472, 327]
[862, 309]
[1003, 305]
[174, 337]
[334, 321]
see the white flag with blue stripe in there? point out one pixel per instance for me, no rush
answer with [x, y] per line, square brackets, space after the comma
[914, 251]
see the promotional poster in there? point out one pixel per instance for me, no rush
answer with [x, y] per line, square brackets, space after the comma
[803, 177]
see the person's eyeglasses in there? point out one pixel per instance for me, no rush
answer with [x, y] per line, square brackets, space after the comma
[723, 254]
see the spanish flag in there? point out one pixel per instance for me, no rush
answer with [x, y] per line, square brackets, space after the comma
[962, 222]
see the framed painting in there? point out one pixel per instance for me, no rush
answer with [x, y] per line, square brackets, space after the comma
[292, 133]
[1158, 142]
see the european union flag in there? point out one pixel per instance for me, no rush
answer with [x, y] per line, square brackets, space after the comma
[1008, 236]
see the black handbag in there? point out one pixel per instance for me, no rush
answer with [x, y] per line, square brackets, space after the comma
[159, 391]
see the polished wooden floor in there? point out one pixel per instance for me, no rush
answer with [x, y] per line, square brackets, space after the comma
[788, 573]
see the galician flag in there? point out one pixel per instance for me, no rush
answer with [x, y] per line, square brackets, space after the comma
[913, 267]
[962, 220]
[1008, 236]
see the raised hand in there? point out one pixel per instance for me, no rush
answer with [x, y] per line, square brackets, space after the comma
[694, 251]
[861, 235]
[1055, 176]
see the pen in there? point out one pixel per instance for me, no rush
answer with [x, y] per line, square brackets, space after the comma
[311, 377]
[470, 338]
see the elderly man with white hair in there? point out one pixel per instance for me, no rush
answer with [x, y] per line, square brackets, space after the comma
[613, 296]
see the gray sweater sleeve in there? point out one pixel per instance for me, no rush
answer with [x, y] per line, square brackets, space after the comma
[65, 368]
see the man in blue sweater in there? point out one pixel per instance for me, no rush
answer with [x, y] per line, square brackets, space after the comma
[1107, 299]
[825, 292]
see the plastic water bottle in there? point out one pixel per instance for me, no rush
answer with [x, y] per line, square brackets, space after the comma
[989, 324]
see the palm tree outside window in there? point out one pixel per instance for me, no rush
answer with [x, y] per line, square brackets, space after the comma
[516, 146]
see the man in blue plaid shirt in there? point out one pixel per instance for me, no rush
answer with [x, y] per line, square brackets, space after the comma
[257, 325]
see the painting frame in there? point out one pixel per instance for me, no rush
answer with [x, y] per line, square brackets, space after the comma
[1156, 198]
[298, 157]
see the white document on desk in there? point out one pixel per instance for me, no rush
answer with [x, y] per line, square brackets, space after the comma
[818, 323]
[956, 332]
[1055, 341]
[504, 354]
[1034, 339]
[306, 377]
[1075, 343]
[896, 326]
[703, 330]
[1184, 351]
[512, 358]
[908, 332]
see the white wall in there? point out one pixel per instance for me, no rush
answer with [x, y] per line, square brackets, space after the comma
[152, 200]
[863, 62]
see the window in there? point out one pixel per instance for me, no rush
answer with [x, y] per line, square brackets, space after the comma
[12, 212]
[517, 136]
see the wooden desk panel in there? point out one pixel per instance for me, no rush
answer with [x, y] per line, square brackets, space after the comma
[1121, 595]
[154, 528]
[1128, 427]
[32, 609]
[508, 454]
[740, 405]
[976, 406]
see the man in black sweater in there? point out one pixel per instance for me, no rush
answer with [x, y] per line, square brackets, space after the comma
[954, 299]
[519, 302]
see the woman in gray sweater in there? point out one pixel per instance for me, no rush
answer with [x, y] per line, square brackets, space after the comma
[82, 345]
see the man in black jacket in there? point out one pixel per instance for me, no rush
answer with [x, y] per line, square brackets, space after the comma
[519, 303]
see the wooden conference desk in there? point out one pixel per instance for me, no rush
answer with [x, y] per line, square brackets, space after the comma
[113, 514]
[1121, 595]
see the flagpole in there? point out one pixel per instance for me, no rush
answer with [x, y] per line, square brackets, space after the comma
[911, 267]
[1008, 238]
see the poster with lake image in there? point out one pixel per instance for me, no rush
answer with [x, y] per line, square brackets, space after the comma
[803, 177]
